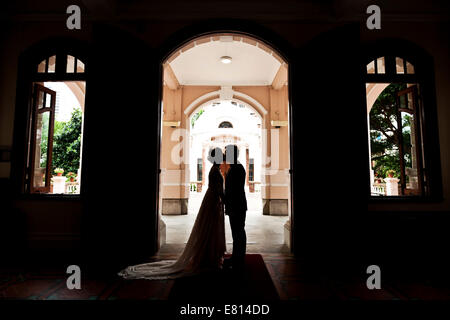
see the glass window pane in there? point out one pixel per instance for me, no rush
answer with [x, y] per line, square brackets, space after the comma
[199, 169]
[52, 64]
[399, 65]
[41, 66]
[371, 67]
[409, 152]
[380, 65]
[40, 156]
[409, 68]
[403, 102]
[48, 100]
[80, 66]
[410, 101]
[40, 98]
[70, 64]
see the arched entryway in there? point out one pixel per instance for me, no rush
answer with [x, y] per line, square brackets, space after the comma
[217, 123]
[197, 76]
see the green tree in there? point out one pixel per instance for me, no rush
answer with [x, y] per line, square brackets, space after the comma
[384, 132]
[67, 142]
[196, 116]
[44, 139]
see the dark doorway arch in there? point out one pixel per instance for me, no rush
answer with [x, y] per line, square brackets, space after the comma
[226, 124]
[237, 27]
[392, 50]
[27, 73]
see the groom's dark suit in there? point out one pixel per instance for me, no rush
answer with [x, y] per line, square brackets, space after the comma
[236, 208]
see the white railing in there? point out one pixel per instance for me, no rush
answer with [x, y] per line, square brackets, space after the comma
[195, 186]
[256, 186]
[379, 189]
[72, 187]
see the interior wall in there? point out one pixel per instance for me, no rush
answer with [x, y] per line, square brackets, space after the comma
[17, 38]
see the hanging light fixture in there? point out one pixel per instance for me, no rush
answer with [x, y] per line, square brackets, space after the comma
[226, 41]
[225, 59]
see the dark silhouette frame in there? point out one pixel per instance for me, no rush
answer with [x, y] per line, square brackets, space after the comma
[27, 75]
[240, 27]
[292, 55]
[424, 76]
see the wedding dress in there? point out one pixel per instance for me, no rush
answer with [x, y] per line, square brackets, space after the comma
[205, 248]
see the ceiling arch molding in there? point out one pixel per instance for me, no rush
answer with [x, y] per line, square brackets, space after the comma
[215, 97]
[231, 37]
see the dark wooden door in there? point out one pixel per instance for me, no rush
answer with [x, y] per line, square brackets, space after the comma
[121, 166]
[409, 142]
[41, 144]
[330, 147]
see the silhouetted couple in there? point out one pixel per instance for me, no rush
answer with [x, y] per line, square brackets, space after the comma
[206, 246]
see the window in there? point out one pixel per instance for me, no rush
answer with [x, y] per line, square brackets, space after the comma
[251, 169]
[402, 66]
[199, 169]
[42, 140]
[395, 117]
[376, 66]
[225, 124]
[73, 65]
[56, 126]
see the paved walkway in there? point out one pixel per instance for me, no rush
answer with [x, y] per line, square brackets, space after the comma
[262, 231]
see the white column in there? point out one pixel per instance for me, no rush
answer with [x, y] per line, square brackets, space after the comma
[59, 184]
[391, 186]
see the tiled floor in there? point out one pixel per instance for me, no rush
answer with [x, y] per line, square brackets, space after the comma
[265, 237]
[286, 271]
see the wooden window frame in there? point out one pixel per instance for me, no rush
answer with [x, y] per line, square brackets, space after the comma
[28, 77]
[421, 169]
[37, 88]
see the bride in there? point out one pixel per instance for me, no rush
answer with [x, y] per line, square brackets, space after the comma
[205, 248]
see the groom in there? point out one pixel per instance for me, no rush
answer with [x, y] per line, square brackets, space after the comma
[236, 206]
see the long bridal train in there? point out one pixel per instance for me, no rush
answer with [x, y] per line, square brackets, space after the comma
[205, 248]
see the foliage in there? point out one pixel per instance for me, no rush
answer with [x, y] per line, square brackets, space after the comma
[388, 162]
[390, 172]
[59, 170]
[67, 142]
[384, 133]
[44, 139]
[196, 116]
[71, 175]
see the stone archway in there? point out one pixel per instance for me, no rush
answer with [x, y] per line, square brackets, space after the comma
[248, 140]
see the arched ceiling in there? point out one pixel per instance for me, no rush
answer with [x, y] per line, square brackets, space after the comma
[201, 65]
